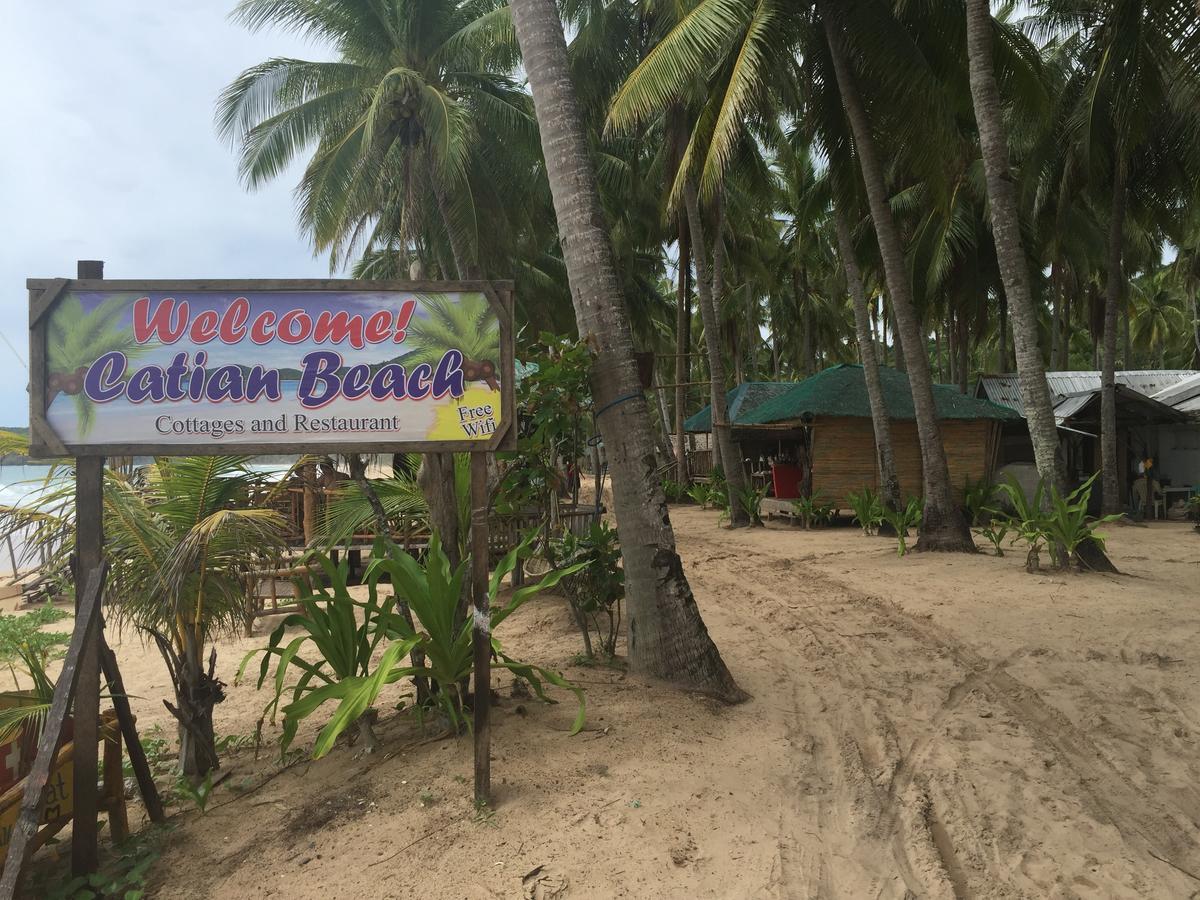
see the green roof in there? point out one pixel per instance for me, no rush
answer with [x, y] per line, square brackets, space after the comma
[842, 391]
[741, 400]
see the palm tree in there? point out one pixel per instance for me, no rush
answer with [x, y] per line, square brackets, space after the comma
[942, 525]
[408, 122]
[182, 543]
[182, 550]
[708, 295]
[669, 639]
[753, 47]
[1006, 232]
[1134, 124]
[889, 482]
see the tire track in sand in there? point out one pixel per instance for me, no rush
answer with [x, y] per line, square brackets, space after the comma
[870, 803]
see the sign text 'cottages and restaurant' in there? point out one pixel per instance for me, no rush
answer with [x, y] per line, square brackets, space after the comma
[225, 367]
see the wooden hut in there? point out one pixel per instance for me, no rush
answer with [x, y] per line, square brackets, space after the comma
[823, 425]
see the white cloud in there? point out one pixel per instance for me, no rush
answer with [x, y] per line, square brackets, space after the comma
[111, 154]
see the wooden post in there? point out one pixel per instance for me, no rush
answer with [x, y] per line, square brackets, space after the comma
[481, 631]
[309, 478]
[87, 624]
[133, 744]
[114, 781]
[89, 556]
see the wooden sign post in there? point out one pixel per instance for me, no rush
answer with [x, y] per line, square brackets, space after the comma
[194, 368]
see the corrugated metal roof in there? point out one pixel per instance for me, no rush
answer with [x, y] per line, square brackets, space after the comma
[1005, 389]
[1068, 406]
[1183, 396]
[842, 391]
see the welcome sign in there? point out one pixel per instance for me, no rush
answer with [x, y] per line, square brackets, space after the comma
[261, 367]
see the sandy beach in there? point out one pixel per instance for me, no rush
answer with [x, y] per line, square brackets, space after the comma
[933, 725]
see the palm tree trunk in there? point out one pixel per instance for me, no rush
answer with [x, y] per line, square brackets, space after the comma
[752, 336]
[667, 637]
[889, 483]
[964, 353]
[897, 338]
[1002, 342]
[1111, 501]
[951, 348]
[942, 525]
[1006, 233]
[664, 418]
[723, 445]
[1064, 345]
[1056, 312]
[435, 478]
[1196, 327]
[683, 317]
[937, 348]
[1126, 342]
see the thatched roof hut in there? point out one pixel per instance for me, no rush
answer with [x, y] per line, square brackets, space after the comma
[823, 423]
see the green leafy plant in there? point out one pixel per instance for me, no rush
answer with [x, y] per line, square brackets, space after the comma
[1066, 523]
[903, 519]
[813, 511]
[28, 651]
[674, 491]
[749, 499]
[595, 591]
[555, 399]
[432, 591]
[123, 874]
[1025, 516]
[1053, 521]
[995, 532]
[700, 494]
[978, 498]
[345, 633]
[199, 792]
[868, 510]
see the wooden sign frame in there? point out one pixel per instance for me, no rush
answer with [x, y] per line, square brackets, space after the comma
[78, 687]
[45, 293]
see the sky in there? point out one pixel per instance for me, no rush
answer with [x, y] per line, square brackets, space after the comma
[110, 153]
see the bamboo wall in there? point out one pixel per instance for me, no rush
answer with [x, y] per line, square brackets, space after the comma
[844, 456]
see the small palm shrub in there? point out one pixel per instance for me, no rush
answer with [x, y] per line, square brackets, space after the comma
[902, 519]
[978, 499]
[749, 500]
[1024, 514]
[345, 633]
[28, 652]
[994, 533]
[674, 490]
[718, 495]
[1049, 520]
[700, 494]
[343, 673]
[432, 591]
[813, 511]
[596, 590]
[868, 510]
[1067, 524]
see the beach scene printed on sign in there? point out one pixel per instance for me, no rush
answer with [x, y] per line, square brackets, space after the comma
[272, 367]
